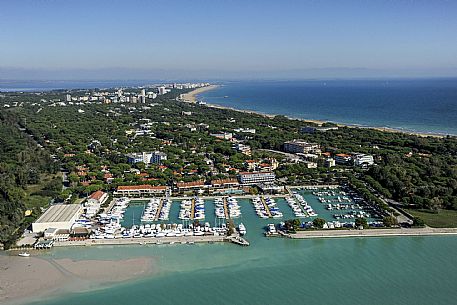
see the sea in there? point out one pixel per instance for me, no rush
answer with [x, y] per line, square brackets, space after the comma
[412, 105]
[384, 270]
[419, 105]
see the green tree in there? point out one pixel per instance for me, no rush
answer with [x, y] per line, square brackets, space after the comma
[361, 222]
[418, 222]
[390, 221]
[319, 222]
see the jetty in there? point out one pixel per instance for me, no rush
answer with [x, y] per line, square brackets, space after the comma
[192, 209]
[427, 231]
[159, 209]
[267, 209]
[226, 211]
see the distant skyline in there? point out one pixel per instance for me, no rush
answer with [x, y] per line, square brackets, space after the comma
[232, 39]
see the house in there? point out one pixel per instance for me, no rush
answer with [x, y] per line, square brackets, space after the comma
[244, 149]
[93, 203]
[343, 159]
[251, 165]
[363, 160]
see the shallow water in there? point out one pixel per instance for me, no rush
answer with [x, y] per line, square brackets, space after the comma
[397, 270]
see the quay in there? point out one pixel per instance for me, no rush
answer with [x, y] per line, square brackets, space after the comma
[266, 206]
[192, 210]
[159, 210]
[226, 212]
[427, 231]
[154, 241]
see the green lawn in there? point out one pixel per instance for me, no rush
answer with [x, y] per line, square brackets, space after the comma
[442, 219]
[35, 201]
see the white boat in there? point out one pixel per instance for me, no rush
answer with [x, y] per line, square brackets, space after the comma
[242, 229]
[24, 254]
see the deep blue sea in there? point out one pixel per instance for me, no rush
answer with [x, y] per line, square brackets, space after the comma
[428, 106]
[421, 105]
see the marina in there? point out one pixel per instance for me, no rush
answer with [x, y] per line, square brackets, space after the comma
[184, 220]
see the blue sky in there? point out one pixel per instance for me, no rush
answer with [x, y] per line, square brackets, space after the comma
[232, 38]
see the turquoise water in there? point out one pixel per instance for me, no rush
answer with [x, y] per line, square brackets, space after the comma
[399, 270]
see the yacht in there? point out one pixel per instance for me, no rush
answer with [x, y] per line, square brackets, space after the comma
[242, 229]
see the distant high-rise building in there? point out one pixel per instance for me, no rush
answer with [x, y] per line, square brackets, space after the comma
[143, 92]
[162, 90]
[68, 98]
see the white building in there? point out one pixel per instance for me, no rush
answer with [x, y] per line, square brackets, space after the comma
[155, 157]
[158, 157]
[61, 216]
[329, 162]
[257, 177]
[223, 135]
[162, 90]
[244, 149]
[140, 190]
[94, 201]
[300, 146]
[363, 160]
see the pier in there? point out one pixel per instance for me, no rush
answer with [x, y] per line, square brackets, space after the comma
[226, 211]
[159, 210]
[236, 239]
[266, 206]
[192, 209]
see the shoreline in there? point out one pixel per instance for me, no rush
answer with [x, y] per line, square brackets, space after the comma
[396, 232]
[30, 278]
[193, 95]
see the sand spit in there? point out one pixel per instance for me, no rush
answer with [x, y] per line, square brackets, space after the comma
[26, 277]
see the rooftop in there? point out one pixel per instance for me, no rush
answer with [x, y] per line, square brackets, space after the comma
[140, 187]
[59, 213]
[97, 195]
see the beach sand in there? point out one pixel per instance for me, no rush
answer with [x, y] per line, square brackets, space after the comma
[22, 278]
[320, 122]
[192, 95]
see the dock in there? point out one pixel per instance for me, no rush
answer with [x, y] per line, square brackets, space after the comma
[266, 206]
[192, 209]
[226, 211]
[159, 210]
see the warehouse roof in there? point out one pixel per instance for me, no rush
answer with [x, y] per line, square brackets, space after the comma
[59, 213]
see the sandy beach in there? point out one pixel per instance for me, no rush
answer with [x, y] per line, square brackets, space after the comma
[320, 122]
[22, 278]
[192, 95]
[192, 98]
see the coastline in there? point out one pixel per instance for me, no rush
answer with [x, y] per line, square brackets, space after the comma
[427, 231]
[193, 95]
[23, 278]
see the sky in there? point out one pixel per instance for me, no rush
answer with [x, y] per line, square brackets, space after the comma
[233, 39]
